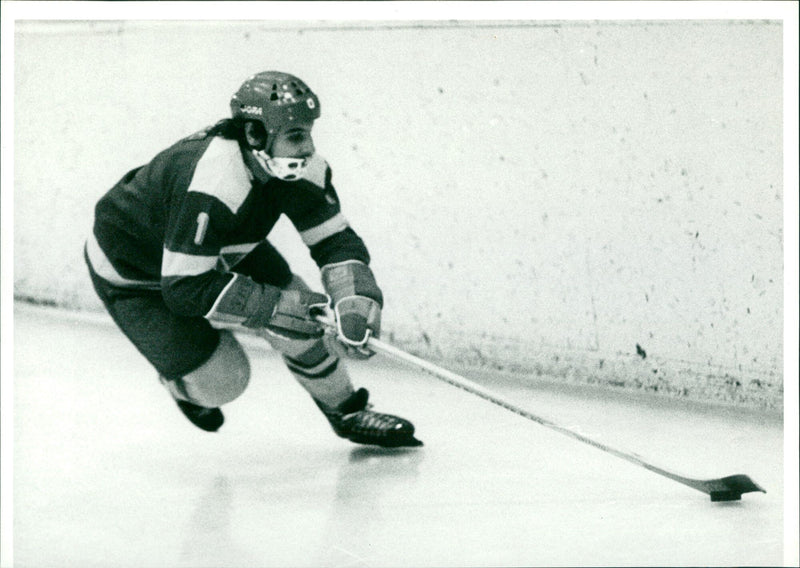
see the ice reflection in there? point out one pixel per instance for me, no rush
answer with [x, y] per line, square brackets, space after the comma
[370, 486]
[208, 537]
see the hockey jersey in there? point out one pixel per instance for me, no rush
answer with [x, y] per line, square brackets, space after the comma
[184, 221]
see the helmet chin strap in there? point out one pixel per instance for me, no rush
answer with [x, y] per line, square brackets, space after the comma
[287, 169]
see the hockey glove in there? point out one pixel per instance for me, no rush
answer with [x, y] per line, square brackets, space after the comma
[357, 303]
[289, 313]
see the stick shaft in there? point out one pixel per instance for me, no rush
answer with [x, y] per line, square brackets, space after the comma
[721, 489]
[463, 383]
[456, 380]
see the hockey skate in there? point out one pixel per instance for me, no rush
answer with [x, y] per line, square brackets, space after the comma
[355, 421]
[208, 419]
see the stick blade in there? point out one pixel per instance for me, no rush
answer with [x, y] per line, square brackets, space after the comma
[730, 488]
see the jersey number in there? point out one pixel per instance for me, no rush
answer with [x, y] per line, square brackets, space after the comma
[202, 227]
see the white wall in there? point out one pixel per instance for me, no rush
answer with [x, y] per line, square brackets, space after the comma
[536, 196]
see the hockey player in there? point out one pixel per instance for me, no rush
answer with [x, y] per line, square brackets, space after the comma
[179, 254]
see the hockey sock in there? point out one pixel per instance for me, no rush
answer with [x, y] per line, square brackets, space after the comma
[327, 382]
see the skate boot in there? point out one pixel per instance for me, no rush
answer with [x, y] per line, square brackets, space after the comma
[354, 421]
[208, 419]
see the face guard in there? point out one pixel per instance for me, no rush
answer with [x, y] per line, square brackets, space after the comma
[288, 169]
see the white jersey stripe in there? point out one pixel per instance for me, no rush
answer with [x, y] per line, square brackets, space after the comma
[180, 264]
[221, 173]
[242, 248]
[334, 225]
[103, 267]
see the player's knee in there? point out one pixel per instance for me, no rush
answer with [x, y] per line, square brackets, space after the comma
[312, 357]
[313, 362]
[222, 378]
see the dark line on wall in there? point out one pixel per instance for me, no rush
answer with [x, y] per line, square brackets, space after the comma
[115, 27]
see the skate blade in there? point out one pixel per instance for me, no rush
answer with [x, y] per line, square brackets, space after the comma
[410, 442]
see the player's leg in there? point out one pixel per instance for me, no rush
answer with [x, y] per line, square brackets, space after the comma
[219, 380]
[318, 369]
[202, 367]
[319, 372]
[324, 376]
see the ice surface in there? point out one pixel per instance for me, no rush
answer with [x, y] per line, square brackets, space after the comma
[107, 472]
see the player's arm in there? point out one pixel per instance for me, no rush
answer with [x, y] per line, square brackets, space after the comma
[342, 257]
[193, 283]
[263, 263]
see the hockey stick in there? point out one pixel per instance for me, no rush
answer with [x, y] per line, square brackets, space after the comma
[728, 488]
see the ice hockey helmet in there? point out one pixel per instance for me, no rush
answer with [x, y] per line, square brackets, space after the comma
[275, 99]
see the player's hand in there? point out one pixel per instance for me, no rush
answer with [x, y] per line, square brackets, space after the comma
[288, 313]
[357, 302]
[357, 319]
[295, 312]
